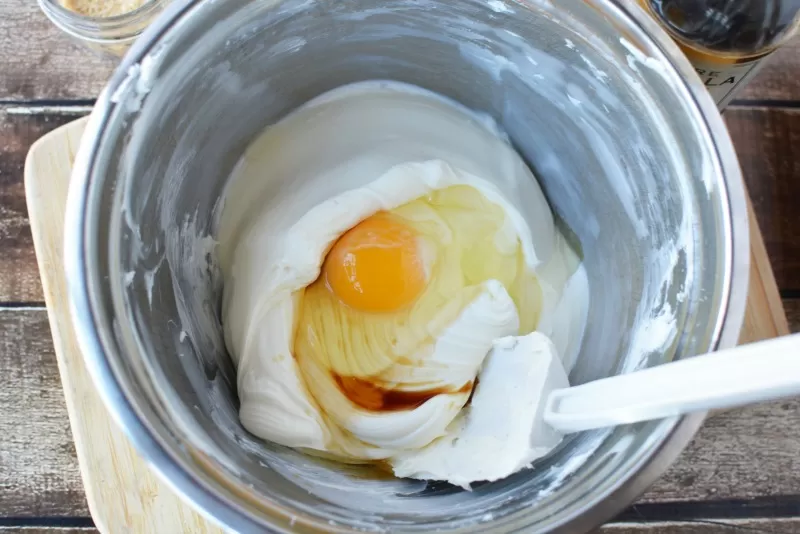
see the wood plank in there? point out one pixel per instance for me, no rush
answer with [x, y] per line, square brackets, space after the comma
[779, 79]
[38, 466]
[792, 307]
[739, 454]
[706, 526]
[771, 526]
[19, 276]
[766, 140]
[49, 65]
[764, 137]
[45, 63]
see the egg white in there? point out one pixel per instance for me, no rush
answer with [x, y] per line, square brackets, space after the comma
[294, 262]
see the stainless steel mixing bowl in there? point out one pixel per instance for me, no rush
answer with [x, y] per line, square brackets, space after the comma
[629, 150]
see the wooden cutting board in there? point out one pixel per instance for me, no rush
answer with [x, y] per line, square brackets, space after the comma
[123, 495]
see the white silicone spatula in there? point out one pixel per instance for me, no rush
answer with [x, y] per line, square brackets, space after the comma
[746, 374]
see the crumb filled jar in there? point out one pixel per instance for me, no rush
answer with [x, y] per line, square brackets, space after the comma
[107, 26]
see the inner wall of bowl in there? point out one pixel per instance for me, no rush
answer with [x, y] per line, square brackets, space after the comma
[602, 126]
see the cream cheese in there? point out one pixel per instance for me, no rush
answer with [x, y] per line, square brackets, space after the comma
[340, 158]
[502, 430]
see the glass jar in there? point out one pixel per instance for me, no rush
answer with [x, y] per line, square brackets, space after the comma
[727, 41]
[107, 35]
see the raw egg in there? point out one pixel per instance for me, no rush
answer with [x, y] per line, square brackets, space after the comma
[376, 266]
[392, 285]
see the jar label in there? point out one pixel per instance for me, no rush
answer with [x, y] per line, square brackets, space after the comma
[724, 80]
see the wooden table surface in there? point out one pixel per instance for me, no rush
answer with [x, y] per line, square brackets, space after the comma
[741, 473]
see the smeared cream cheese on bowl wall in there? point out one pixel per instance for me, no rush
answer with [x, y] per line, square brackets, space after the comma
[378, 246]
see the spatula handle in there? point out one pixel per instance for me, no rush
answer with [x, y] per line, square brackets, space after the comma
[742, 375]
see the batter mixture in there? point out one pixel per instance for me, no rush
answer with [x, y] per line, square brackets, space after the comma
[395, 287]
[103, 8]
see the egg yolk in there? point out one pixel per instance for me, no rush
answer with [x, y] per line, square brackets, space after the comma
[376, 266]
